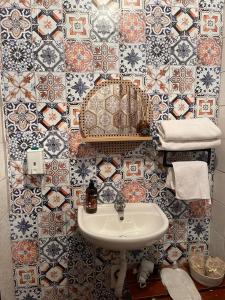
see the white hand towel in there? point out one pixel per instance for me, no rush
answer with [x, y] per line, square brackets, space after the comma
[190, 145]
[189, 179]
[188, 130]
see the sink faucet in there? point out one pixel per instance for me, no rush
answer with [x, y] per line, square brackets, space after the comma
[119, 206]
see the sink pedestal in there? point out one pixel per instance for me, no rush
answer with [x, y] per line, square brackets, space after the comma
[121, 275]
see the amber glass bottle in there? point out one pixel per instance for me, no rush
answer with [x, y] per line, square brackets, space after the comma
[91, 198]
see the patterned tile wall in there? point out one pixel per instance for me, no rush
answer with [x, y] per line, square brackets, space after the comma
[52, 53]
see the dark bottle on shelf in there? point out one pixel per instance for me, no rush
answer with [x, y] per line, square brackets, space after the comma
[91, 198]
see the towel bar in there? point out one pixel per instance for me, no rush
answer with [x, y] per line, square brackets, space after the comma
[192, 155]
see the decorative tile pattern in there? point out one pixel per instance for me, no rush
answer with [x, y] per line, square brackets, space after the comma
[26, 200]
[51, 224]
[158, 20]
[109, 169]
[28, 293]
[154, 185]
[48, 56]
[81, 171]
[20, 142]
[25, 252]
[198, 230]
[47, 25]
[199, 209]
[54, 293]
[206, 107]
[105, 26]
[54, 144]
[52, 116]
[56, 198]
[53, 249]
[132, 59]
[15, 23]
[47, 4]
[132, 27]
[108, 193]
[79, 57]
[184, 21]
[106, 58]
[157, 80]
[78, 85]
[184, 51]
[17, 55]
[159, 107]
[26, 276]
[181, 106]
[158, 50]
[23, 226]
[21, 117]
[182, 79]
[50, 87]
[57, 172]
[207, 80]
[82, 5]
[208, 4]
[18, 87]
[53, 274]
[134, 191]
[185, 3]
[209, 51]
[133, 168]
[12, 3]
[210, 23]
[77, 26]
[174, 253]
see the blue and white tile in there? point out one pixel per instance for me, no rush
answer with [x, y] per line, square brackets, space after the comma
[82, 171]
[23, 226]
[28, 293]
[78, 85]
[198, 230]
[158, 50]
[132, 59]
[207, 80]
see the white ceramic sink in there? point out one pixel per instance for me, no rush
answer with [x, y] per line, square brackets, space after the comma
[143, 224]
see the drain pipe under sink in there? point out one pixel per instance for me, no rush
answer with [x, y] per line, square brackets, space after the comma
[121, 274]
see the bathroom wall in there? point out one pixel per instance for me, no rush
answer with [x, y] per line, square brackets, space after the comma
[53, 53]
[6, 274]
[217, 237]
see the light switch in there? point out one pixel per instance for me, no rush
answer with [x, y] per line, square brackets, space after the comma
[35, 161]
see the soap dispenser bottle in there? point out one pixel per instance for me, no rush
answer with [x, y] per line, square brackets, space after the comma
[91, 198]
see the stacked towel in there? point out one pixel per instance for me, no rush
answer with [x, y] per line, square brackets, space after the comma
[189, 179]
[190, 134]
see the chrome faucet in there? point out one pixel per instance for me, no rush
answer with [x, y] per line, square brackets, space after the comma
[119, 206]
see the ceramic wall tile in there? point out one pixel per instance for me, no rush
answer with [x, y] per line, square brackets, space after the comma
[57, 172]
[26, 293]
[52, 116]
[18, 87]
[132, 27]
[12, 3]
[47, 25]
[79, 57]
[132, 59]
[181, 106]
[207, 80]
[158, 20]
[15, 23]
[47, 4]
[50, 87]
[182, 79]
[157, 79]
[206, 107]
[26, 200]
[17, 55]
[106, 57]
[77, 26]
[51, 224]
[51, 293]
[209, 51]
[83, 5]
[210, 23]
[26, 276]
[48, 56]
[23, 226]
[134, 191]
[81, 171]
[198, 230]
[109, 169]
[158, 50]
[104, 26]
[56, 198]
[25, 252]
[184, 51]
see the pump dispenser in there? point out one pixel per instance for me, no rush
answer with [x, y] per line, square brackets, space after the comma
[91, 198]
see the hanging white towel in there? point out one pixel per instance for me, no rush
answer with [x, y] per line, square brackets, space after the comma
[190, 145]
[198, 129]
[189, 179]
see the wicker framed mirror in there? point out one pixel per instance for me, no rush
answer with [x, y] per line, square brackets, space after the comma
[114, 108]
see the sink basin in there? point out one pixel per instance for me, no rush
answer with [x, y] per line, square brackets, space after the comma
[143, 224]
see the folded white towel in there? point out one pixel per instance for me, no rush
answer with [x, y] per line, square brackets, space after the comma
[188, 130]
[190, 145]
[189, 179]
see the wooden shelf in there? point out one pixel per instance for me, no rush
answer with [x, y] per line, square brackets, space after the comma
[122, 138]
